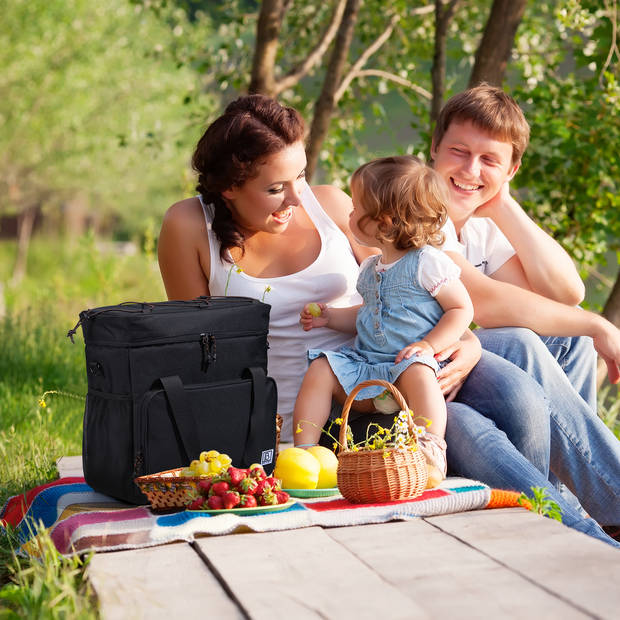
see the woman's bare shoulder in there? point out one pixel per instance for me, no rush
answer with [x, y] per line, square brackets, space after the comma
[185, 214]
[335, 203]
[183, 250]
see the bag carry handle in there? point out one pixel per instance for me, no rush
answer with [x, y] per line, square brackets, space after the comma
[182, 415]
[259, 416]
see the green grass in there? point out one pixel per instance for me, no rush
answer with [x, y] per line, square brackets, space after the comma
[42, 389]
[53, 587]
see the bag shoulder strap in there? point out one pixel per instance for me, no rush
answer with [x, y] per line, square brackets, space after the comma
[182, 415]
[260, 417]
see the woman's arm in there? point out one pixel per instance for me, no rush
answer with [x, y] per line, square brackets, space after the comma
[183, 251]
[500, 304]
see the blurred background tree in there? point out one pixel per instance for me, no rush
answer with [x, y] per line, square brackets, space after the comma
[94, 115]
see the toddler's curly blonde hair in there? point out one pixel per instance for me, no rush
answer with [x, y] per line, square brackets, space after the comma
[405, 197]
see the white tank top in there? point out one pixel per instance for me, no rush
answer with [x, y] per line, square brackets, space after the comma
[330, 279]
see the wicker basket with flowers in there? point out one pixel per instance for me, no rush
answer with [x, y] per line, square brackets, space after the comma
[388, 465]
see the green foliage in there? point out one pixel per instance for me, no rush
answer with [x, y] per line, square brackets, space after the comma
[540, 504]
[609, 408]
[569, 180]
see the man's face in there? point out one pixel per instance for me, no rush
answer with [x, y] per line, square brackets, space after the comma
[474, 165]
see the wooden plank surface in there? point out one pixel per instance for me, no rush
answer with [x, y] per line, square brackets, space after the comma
[489, 563]
[165, 582]
[69, 466]
[578, 568]
[446, 577]
[303, 574]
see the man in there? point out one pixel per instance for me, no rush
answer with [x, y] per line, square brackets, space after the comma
[518, 276]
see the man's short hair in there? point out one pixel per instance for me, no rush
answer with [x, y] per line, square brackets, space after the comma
[490, 109]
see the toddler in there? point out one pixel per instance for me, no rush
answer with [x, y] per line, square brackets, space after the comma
[414, 305]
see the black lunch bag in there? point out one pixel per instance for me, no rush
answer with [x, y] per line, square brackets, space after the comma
[169, 379]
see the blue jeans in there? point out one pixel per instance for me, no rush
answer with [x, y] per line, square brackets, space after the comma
[478, 449]
[576, 356]
[583, 452]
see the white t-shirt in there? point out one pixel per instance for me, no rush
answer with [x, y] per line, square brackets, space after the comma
[434, 269]
[481, 242]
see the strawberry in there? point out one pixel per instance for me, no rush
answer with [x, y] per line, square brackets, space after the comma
[248, 486]
[215, 502]
[236, 475]
[282, 496]
[230, 499]
[204, 485]
[219, 488]
[267, 498]
[275, 483]
[257, 472]
[247, 501]
[262, 486]
[196, 504]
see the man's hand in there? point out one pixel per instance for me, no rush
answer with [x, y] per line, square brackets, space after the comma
[308, 318]
[607, 344]
[463, 356]
[421, 347]
[490, 206]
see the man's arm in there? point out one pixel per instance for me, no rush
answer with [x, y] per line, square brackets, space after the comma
[501, 304]
[541, 264]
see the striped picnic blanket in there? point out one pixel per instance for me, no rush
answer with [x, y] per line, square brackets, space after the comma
[80, 519]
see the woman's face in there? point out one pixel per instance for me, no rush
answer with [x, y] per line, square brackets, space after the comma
[266, 202]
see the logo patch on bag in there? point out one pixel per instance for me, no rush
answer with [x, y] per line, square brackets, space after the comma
[266, 457]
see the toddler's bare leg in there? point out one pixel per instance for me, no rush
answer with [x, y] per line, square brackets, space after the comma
[421, 391]
[420, 388]
[314, 402]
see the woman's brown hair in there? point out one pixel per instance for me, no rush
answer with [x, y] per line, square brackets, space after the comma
[407, 199]
[231, 150]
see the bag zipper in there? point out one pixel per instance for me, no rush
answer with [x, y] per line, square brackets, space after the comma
[138, 307]
[174, 339]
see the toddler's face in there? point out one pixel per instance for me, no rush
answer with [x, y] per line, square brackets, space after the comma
[367, 235]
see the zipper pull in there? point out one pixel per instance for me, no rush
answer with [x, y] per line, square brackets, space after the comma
[138, 465]
[212, 348]
[204, 348]
[72, 332]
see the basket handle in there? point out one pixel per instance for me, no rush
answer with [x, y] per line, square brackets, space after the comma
[400, 400]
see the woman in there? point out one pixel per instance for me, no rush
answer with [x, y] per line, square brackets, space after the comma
[257, 229]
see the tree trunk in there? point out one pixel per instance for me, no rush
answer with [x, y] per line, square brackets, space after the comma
[267, 33]
[24, 233]
[326, 103]
[611, 312]
[497, 41]
[438, 70]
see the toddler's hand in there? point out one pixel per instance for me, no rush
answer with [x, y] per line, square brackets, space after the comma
[421, 347]
[308, 318]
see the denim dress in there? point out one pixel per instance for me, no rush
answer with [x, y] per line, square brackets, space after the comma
[397, 311]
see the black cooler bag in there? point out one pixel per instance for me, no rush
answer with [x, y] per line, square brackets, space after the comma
[169, 379]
